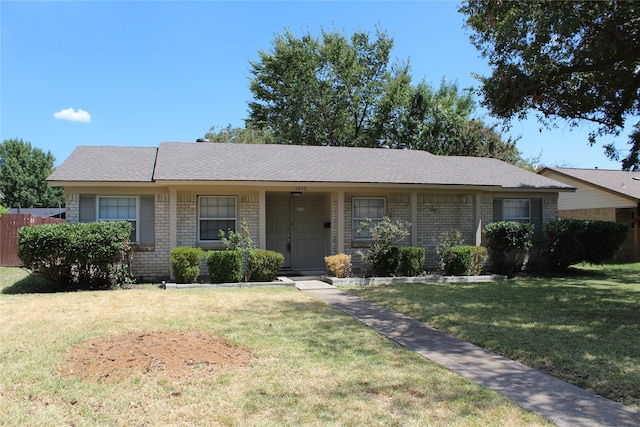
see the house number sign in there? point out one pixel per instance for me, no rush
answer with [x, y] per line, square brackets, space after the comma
[301, 188]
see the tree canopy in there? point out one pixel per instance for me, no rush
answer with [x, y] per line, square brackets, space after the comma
[564, 60]
[23, 176]
[341, 91]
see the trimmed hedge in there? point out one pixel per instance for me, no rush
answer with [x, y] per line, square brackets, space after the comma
[185, 263]
[507, 245]
[80, 255]
[263, 265]
[411, 261]
[225, 266]
[464, 260]
[338, 265]
[570, 241]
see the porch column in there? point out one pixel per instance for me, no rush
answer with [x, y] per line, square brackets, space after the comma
[173, 218]
[414, 218]
[478, 218]
[262, 219]
[173, 224]
[340, 223]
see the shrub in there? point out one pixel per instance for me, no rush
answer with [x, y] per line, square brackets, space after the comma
[225, 266]
[240, 241]
[447, 240]
[185, 263]
[478, 260]
[507, 245]
[78, 256]
[464, 260]
[338, 265]
[570, 241]
[383, 257]
[411, 261]
[263, 265]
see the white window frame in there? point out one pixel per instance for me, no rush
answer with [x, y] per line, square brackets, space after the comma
[200, 218]
[134, 220]
[526, 219]
[355, 219]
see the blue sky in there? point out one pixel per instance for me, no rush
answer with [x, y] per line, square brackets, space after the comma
[140, 73]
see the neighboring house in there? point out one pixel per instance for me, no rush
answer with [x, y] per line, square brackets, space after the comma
[1, 195]
[43, 212]
[306, 202]
[606, 195]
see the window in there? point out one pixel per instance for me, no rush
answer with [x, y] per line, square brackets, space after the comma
[517, 210]
[215, 213]
[112, 208]
[373, 208]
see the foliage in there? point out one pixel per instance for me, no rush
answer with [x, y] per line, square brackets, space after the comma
[464, 260]
[23, 176]
[239, 241]
[338, 265]
[225, 266]
[185, 263]
[344, 91]
[230, 134]
[439, 121]
[570, 241]
[83, 255]
[383, 257]
[507, 245]
[567, 60]
[333, 84]
[3, 210]
[411, 261]
[447, 240]
[263, 265]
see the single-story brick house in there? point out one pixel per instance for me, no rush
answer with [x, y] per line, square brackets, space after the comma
[605, 195]
[305, 202]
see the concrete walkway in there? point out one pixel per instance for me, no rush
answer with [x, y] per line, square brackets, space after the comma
[556, 400]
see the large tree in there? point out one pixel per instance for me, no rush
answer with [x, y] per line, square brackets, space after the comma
[343, 91]
[565, 60]
[239, 135]
[23, 176]
[324, 91]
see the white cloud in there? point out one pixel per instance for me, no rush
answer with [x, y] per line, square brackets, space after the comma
[73, 116]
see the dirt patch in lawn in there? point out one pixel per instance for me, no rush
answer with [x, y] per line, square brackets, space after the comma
[174, 354]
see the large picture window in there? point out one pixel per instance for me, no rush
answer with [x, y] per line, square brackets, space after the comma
[119, 208]
[215, 213]
[367, 208]
[517, 210]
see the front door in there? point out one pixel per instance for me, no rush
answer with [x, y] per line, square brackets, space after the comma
[279, 226]
[295, 228]
[308, 233]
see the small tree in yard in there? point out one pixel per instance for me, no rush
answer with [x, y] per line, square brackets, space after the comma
[383, 256]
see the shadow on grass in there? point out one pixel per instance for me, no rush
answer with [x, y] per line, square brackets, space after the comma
[32, 284]
[35, 284]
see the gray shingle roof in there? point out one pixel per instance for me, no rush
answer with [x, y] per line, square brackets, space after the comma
[290, 163]
[622, 182]
[107, 163]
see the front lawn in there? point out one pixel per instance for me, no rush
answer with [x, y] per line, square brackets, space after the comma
[583, 328]
[303, 363]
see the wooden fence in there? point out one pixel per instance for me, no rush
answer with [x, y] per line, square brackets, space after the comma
[9, 226]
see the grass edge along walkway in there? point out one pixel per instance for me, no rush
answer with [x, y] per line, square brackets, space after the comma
[554, 399]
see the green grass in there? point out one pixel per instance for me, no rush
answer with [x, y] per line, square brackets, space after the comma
[583, 328]
[312, 365]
